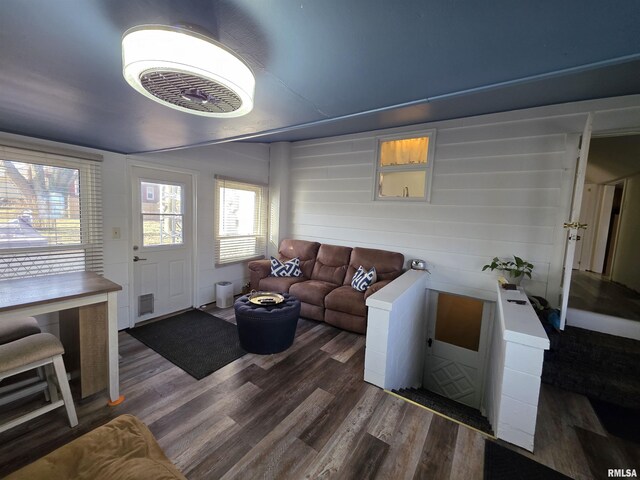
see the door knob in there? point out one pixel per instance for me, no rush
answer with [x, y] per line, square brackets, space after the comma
[136, 258]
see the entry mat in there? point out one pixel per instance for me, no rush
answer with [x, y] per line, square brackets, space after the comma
[449, 408]
[195, 341]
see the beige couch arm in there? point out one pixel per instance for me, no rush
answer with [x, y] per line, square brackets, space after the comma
[258, 269]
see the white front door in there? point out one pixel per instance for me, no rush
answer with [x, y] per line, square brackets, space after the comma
[456, 346]
[162, 243]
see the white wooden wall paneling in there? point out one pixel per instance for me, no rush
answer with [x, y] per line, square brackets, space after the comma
[477, 230]
[499, 215]
[502, 147]
[514, 163]
[497, 189]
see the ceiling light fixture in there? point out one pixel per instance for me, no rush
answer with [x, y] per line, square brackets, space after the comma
[187, 71]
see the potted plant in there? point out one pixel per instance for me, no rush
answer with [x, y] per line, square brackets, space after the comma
[517, 268]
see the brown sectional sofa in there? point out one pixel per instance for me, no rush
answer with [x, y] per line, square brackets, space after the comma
[324, 289]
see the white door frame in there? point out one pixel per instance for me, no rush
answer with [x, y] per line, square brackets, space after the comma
[131, 164]
[614, 246]
[601, 227]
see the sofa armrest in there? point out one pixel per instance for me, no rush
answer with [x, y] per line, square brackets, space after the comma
[376, 287]
[258, 269]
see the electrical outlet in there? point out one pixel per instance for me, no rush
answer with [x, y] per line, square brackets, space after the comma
[115, 233]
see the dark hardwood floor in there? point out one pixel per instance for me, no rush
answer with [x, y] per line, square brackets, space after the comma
[307, 413]
[594, 293]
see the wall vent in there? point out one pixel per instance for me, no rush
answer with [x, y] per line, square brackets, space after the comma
[145, 304]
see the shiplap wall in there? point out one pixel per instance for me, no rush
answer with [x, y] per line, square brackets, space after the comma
[499, 188]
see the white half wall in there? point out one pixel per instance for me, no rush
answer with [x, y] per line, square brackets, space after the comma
[396, 326]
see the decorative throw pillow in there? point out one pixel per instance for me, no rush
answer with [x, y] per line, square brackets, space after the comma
[363, 279]
[286, 269]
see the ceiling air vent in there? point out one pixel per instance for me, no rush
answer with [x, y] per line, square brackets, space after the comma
[188, 71]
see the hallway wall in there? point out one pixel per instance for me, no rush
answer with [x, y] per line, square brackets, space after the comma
[626, 264]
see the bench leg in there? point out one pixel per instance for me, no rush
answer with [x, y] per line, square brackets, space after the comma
[61, 373]
[51, 383]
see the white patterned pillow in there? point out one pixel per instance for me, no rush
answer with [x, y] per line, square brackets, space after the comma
[286, 269]
[363, 279]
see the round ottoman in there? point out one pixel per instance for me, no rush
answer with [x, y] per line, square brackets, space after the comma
[267, 329]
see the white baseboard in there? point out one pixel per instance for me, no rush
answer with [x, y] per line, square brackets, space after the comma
[600, 322]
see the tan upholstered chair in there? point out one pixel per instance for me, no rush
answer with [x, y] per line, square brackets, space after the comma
[14, 329]
[31, 352]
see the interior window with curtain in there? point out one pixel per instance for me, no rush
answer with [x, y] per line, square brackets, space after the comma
[404, 167]
[50, 214]
[240, 221]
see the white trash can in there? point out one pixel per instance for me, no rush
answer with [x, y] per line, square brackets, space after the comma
[224, 294]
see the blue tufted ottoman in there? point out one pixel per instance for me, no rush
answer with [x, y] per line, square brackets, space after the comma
[267, 329]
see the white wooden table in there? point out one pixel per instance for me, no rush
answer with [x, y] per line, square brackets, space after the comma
[88, 309]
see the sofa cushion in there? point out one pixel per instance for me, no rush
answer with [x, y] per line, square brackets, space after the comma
[331, 264]
[278, 284]
[304, 250]
[290, 268]
[346, 299]
[312, 291]
[388, 264]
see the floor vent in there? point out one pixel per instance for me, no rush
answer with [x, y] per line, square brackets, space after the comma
[145, 304]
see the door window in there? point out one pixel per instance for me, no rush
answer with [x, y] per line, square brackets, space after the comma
[458, 321]
[162, 207]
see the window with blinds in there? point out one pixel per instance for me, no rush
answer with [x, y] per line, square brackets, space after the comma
[50, 214]
[240, 224]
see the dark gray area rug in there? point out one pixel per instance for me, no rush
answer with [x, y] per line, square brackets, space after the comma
[501, 463]
[620, 421]
[598, 365]
[195, 341]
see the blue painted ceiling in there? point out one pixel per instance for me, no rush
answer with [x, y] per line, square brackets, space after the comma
[323, 67]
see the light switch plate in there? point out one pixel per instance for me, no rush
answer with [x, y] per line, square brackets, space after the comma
[115, 233]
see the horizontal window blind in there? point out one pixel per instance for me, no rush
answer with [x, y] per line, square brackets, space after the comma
[50, 214]
[240, 224]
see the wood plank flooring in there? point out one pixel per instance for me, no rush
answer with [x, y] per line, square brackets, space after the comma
[306, 413]
[594, 293]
